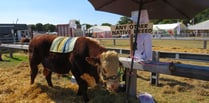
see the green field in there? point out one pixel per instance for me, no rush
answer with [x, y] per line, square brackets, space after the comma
[17, 58]
[125, 43]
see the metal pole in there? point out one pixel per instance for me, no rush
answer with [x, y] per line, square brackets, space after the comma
[153, 75]
[134, 48]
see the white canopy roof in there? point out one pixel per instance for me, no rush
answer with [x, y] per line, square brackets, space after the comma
[200, 26]
[168, 26]
[99, 29]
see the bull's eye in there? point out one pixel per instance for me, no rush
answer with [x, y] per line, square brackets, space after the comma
[105, 77]
[113, 77]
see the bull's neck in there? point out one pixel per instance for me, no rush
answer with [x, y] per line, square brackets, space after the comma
[96, 52]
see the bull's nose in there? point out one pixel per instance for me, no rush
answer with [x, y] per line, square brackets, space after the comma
[113, 88]
[122, 88]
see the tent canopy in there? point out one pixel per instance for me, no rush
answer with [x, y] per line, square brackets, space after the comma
[200, 26]
[168, 26]
[97, 29]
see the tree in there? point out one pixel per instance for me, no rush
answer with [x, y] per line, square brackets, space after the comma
[124, 20]
[202, 16]
[77, 22]
[168, 21]
[39, 27]
[33, 27]
[52, 27]
[106, 24]
[87, 25]
[49, 27]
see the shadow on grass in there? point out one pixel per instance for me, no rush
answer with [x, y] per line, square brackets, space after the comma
[5, 60]
[60, 94]
[97, 95]
[143, 78]
[13, 58]
[172, 83]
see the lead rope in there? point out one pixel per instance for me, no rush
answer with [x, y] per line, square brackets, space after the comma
[134, 48]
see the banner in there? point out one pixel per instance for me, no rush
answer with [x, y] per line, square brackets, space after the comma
[72, 24]
[130, 28]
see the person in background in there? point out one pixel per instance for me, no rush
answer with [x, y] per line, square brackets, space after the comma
[143, 52]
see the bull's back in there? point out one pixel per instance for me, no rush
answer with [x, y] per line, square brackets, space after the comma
[40, 45]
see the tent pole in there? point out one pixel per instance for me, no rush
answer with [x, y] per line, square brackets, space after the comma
[133, 53]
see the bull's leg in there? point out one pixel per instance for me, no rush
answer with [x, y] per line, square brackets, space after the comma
[82, 90]
[34, 61]
[33, 72]
[83, 86]
[48, 75]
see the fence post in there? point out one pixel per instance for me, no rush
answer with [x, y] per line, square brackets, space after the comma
[132, 87]
[177, 56]
[114, 42]
[10, 53]
[1, 57]
[204, 44]
[154, 76]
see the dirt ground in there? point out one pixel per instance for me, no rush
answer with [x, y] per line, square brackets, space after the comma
[15, 88]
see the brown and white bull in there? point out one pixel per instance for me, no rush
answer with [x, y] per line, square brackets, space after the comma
[87, 57]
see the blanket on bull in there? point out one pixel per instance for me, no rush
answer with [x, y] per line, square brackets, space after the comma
[63, 44]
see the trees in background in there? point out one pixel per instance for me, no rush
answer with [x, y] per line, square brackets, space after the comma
[106, 24]
[124, 20]
[39, 27]
[49, 27]
[202, 16]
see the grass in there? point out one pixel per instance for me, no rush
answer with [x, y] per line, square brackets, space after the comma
[189, 44]
[16, 88]
[193, 44]
[17, 58]
[171, 89]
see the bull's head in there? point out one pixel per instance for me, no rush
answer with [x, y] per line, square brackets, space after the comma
[107, 64]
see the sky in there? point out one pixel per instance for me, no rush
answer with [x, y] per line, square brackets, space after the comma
[53, 12]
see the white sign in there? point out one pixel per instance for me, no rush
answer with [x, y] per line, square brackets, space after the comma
[72, 24]
[83, 27]
[130, 28]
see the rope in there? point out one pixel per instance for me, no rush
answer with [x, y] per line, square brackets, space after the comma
[134, 48]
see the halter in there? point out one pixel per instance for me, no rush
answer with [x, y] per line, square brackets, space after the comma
[112, 77]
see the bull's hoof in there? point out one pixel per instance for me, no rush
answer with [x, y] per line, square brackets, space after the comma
[31, 82]
[79, 93]
[86, 99]
[50, 85]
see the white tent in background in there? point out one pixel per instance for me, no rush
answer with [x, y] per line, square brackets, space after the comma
[100, 31]
[174, 26]
[168, 29]
[164, 26]
[200, 29]
[200, 26]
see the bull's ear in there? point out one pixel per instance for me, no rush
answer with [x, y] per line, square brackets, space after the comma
[92, 60]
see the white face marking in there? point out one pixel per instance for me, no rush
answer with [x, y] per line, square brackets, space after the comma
[109, 69]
